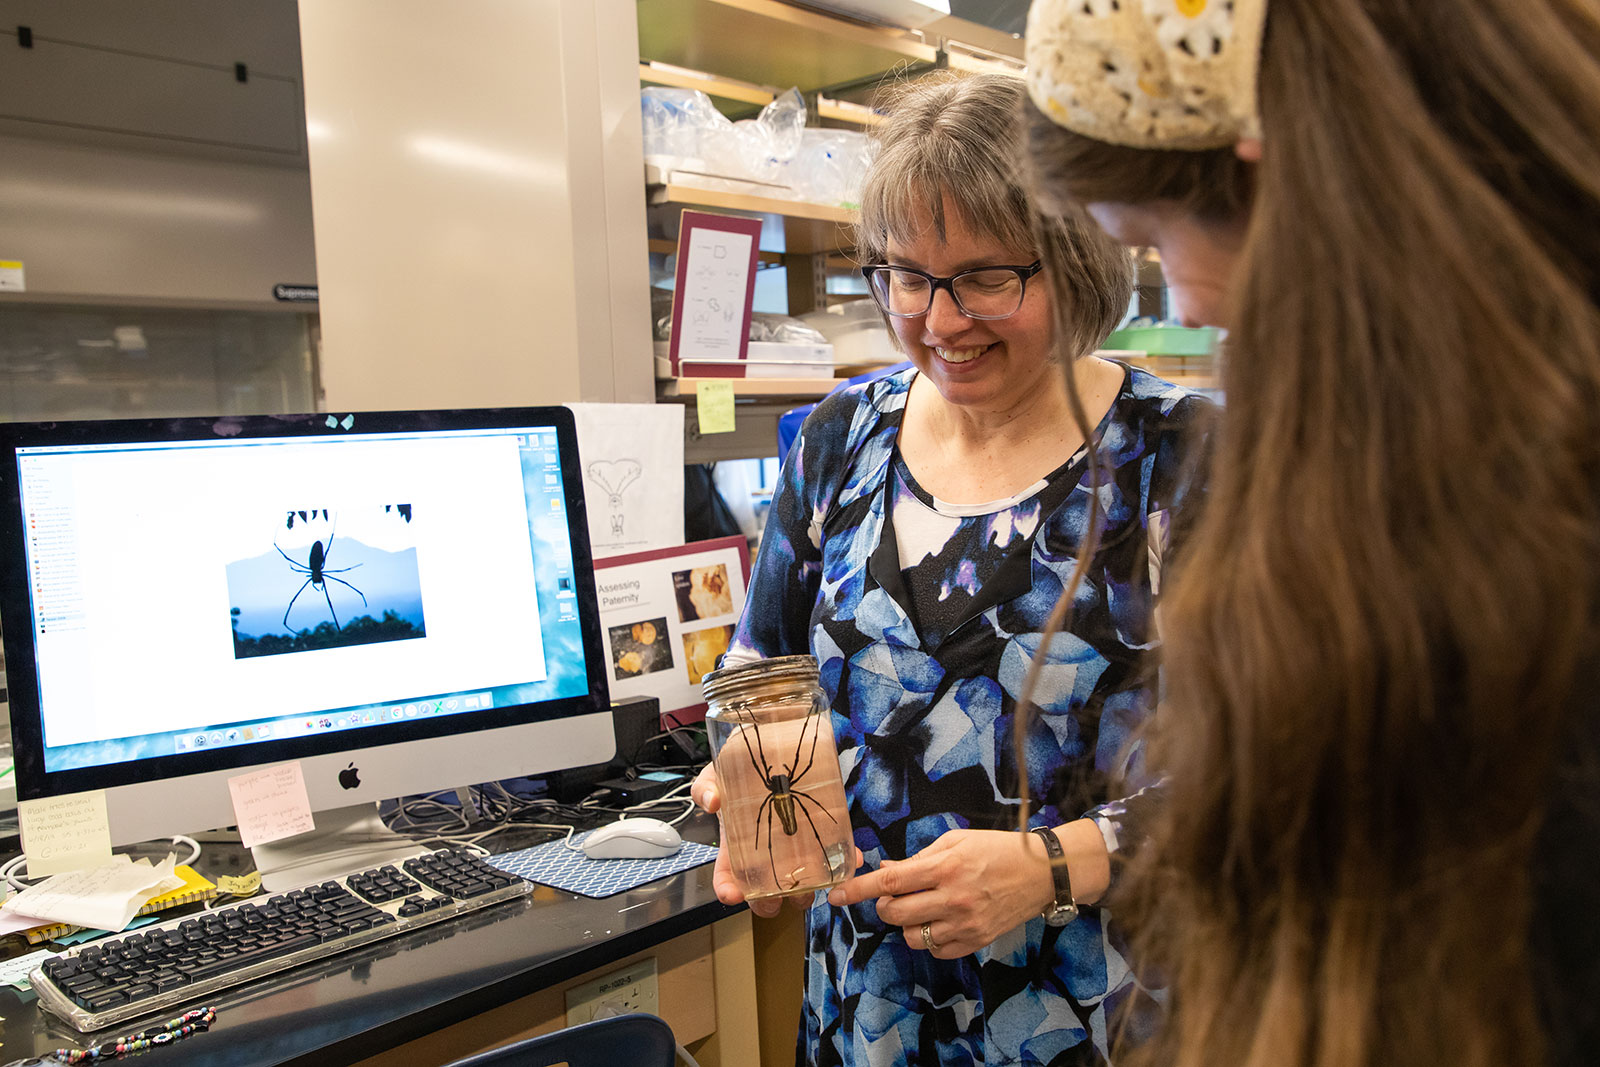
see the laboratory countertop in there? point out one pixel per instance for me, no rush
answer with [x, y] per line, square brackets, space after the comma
[365, 1002]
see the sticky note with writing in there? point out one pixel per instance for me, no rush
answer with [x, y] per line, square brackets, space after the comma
[66, 833]
[714, 406]
[271, 804]
[239, 885]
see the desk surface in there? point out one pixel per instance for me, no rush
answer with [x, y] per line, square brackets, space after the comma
[362, 1003]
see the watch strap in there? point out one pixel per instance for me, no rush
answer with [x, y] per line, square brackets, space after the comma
[1063, 909]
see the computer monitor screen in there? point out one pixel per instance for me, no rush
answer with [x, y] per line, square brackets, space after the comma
[402, 601]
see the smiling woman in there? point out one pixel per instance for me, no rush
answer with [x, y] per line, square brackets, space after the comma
[924, 527]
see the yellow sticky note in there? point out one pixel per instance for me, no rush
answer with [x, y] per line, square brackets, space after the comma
[271, 804]
[66, 833]
[714, 406]
[239, 885]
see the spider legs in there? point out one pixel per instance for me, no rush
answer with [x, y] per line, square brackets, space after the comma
[290, 608]
[761, 762]
[329, 599]
[802, 800]
[330, 578]
[782, 798]
[812, 756]
[764, 805]
[769, 808]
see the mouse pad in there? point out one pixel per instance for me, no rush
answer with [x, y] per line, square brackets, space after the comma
[554, 864]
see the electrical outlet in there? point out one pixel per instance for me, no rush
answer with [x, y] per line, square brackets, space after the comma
[631, 989]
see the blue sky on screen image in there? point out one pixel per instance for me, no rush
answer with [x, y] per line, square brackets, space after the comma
[326, 577]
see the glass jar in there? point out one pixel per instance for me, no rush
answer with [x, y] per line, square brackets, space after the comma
[785, 823]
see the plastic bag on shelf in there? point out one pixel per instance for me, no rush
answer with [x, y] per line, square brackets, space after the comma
[676, 124]
[830, 166]
[783, 330]
[758, 149]
[683, 130]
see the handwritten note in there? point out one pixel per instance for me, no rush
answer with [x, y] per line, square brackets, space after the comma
[14, 972]
[271, 804]
[65, 833]
[239, 885]
[104, 898]
[714, 406]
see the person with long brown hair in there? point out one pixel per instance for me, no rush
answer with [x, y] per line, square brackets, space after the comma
[1381, 821]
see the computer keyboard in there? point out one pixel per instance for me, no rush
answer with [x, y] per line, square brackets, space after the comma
[185, 961]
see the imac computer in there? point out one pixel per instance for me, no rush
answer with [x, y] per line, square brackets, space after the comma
[400, 602]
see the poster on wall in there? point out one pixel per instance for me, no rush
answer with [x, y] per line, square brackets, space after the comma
[631, 456]
[667, 617]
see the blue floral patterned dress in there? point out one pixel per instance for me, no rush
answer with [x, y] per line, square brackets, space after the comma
[923, 713]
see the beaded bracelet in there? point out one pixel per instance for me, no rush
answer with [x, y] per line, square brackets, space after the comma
[171, 1030]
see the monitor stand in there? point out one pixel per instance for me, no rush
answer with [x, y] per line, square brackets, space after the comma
[345, 840]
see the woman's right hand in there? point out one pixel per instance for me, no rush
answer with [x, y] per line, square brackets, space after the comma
[704, 793]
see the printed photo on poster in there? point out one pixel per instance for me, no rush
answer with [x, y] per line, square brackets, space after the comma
[669, 617]
[703, 648]
[703, 592]
[639, 648]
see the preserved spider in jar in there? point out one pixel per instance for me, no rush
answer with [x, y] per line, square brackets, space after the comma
[784, 819]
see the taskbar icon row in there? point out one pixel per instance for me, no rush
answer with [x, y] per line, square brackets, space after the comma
[342, 720]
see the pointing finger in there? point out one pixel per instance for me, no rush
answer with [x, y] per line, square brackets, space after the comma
[892, 878]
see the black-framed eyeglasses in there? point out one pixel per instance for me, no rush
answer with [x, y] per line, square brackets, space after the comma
[980, 293]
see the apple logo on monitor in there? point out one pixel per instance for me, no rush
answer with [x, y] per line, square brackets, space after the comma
[350, 777]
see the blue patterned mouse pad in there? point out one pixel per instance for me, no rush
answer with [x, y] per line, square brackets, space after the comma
[554, 864]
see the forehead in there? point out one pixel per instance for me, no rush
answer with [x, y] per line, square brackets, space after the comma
[917, 239]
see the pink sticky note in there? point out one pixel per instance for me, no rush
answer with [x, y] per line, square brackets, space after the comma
[270, 804]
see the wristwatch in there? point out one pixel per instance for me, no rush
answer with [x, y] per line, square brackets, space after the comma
[1063, 909]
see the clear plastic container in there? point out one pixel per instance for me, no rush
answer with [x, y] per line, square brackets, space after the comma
[859, 336]
[785, 822]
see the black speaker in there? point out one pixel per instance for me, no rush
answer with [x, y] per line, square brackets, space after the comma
[633, 722]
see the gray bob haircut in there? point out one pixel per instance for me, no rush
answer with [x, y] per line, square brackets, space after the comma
[956, 140]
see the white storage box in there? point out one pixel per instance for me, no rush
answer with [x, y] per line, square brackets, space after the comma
[764, 359]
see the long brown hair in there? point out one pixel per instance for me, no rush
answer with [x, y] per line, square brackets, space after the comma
[1371, 640]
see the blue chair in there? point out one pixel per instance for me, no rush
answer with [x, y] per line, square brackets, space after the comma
[636, 1040]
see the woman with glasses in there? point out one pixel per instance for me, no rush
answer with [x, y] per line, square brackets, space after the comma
[924, 528]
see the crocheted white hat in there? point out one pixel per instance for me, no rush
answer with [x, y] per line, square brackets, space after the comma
[1147, 73]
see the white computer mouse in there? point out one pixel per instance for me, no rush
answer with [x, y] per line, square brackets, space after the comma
[632, 839]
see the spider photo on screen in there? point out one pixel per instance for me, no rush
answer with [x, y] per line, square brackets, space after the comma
[318, 574]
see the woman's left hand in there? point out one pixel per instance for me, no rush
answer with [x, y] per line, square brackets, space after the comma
[968, 887]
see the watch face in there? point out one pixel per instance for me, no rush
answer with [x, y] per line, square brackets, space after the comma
[1055, 915]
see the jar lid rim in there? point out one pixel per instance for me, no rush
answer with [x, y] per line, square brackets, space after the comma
[725, 679]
